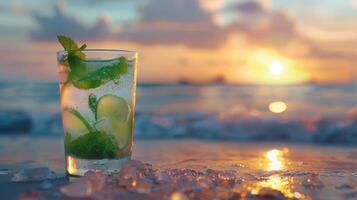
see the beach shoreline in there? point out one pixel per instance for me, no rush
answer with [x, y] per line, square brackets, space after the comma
[330, 163]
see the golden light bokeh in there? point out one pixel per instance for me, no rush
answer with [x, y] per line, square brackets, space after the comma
[277, 107]
[71, 165]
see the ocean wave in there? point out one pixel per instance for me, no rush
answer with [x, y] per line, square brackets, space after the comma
[241, 125]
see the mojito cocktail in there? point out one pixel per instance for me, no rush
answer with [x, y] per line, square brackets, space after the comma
[98, 104]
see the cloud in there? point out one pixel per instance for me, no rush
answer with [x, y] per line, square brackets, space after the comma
[276, 29]
[49, 27]
[15, 8]
[175, 22]
[186, 23]
[354, 3]
[248, 7]
[184, 11]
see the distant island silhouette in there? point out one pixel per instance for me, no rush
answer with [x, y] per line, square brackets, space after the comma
[217, 80]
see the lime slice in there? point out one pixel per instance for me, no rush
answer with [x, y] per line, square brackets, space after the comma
[113, 107]
[118, 112]
[87, 84]
[75, 123]
[124, 136]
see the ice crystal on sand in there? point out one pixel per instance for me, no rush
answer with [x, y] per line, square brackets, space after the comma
[33, 174]
[137, 180]
[312, 182]
[92, 182]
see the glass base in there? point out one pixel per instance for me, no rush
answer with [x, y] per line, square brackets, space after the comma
[78, 167]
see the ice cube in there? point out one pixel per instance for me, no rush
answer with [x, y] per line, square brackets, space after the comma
[161, 177]
[104, 125]
[227, 175]
[136, 169]
[212, 174]
[33, 174]
[93, 181]
[204, 182]
[312, 182]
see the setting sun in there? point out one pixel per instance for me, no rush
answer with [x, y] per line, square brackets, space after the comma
[266, 66]
[276, 68]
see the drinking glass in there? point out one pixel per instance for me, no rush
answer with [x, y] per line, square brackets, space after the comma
[98, 92]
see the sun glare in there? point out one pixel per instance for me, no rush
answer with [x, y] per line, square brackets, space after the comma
[277, 107]
[276, 68]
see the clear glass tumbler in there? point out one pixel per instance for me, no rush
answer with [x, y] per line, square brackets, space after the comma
[98, 93]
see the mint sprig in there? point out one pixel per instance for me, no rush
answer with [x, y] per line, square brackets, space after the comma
[80, 76]
[94, 145]
[67, 43]
[71, 46]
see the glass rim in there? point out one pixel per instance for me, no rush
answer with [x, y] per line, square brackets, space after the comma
[127, 52]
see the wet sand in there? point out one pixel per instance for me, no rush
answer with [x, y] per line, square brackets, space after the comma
[282, 167]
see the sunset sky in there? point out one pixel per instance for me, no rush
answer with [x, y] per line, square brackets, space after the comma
[255, 42]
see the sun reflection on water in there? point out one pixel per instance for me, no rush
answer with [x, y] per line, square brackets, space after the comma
[285, 185]
[276, 160]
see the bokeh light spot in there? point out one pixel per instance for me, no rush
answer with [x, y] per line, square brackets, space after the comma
[278, 107]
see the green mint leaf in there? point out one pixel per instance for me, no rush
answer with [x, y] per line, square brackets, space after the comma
[102, 75]
[79, 75]
[74, 59]
[67, 141]
[92, 103]
[93, 145]
[83, 47]
[77, 64]
[67, 43]
[122, 68]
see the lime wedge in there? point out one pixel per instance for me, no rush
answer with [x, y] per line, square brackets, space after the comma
[118, 112]
[75, 123]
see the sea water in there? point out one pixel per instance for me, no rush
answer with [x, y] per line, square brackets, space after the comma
[314, 113]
